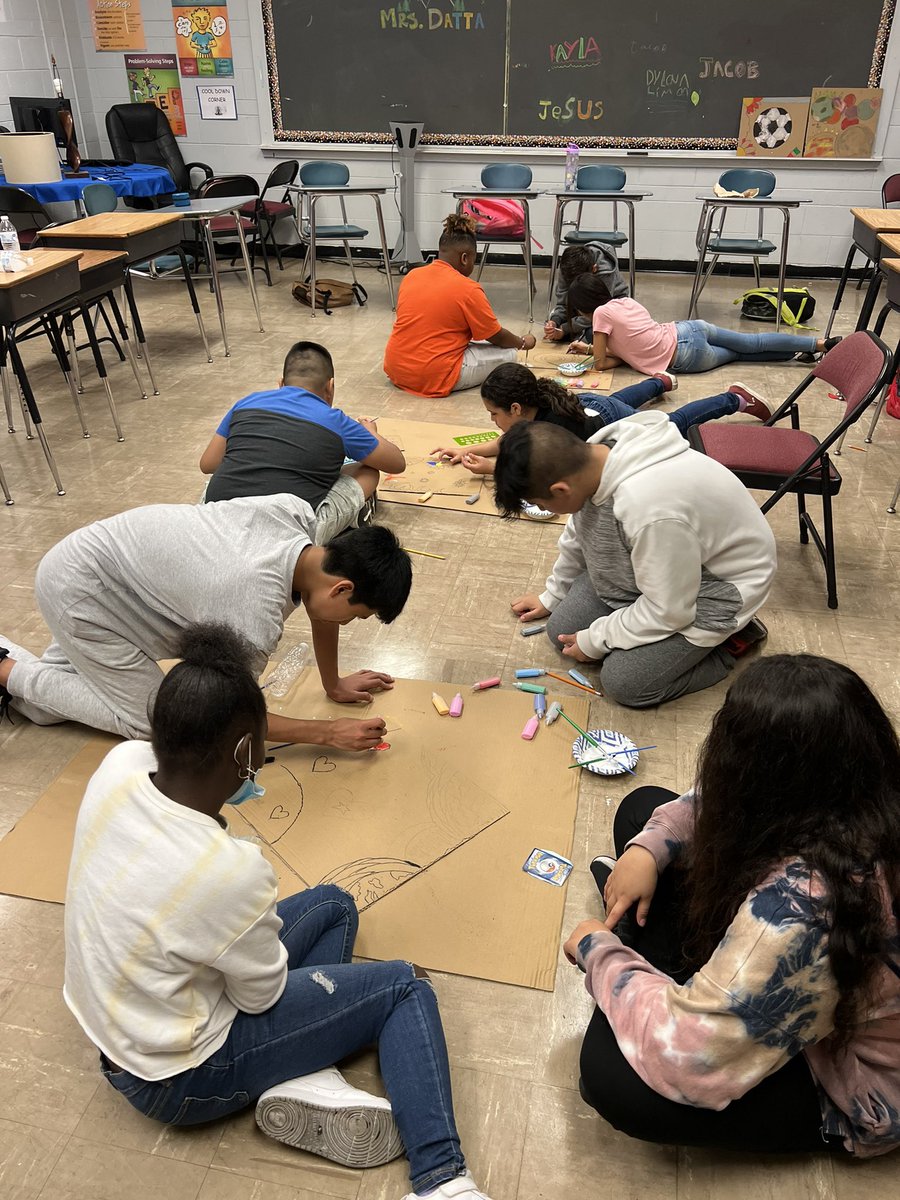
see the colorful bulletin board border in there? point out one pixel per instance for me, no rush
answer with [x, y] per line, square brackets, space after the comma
[154, 79]
[203, 39]
[501, 139]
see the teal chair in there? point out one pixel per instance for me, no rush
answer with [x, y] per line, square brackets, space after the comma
[326, 174]
[594, 179]
[497, 179]
[712, 242]
[99, 198]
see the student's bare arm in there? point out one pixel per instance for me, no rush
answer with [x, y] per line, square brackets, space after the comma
[603, 360]
[213, 454]
[343, 734]
[352, 689]
[385, 457]
[513, 341]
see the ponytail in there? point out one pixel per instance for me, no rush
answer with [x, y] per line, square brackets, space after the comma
[513, 383]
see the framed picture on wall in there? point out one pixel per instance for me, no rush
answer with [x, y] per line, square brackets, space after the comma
[217, 101]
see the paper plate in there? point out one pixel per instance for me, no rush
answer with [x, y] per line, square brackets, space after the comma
[572, 368]
[534, 513]
[610, 740]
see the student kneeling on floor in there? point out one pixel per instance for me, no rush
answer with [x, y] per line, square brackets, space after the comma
[665, 555]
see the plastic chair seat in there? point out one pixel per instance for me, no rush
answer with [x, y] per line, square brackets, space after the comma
[340, 232]
[225, 224]
[755, 246]
[27, 237]
[272, 208]
[611, 237]
[765, 455]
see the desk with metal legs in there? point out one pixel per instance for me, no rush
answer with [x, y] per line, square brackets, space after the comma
[524, 196]
[142, 236]
[204, 213]
[868, 226]
[627, 196]
[46, 286]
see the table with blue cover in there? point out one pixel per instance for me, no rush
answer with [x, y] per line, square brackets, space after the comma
[138, 179]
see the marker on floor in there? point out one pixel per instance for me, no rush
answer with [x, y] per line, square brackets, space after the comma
[531, 630]
[483, 684]
[456, 705]
[440, 704]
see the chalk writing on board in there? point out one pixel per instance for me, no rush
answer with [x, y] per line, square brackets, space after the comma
[573, 108]
[668, 85]
[400, 16]
[582, 52]
[714, 68]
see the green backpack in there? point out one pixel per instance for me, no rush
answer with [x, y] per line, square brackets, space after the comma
[759, 304]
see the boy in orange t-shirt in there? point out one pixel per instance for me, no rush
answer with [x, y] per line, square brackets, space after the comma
[444, 320]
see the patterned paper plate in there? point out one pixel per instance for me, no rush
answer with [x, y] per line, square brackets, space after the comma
[610, 741]
[572, 368]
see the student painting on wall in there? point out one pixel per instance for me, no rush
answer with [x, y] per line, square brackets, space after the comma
[446, 336]
[624, 332]
[117, 595]
[593, 258]
[511, 393]
[293, 440]
[747, 972]
[202, 992]
[662, 565]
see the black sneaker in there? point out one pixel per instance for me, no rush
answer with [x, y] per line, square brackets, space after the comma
[810, 357]
[367, 512]
[601, 869]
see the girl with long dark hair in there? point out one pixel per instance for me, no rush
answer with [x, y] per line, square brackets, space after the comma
[747, 974]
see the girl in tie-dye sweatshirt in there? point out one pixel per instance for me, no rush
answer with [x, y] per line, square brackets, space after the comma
[781, 870]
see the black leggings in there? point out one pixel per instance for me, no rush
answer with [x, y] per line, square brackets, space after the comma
[781, 1115]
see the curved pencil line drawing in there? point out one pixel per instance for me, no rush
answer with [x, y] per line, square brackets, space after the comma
[368, 879]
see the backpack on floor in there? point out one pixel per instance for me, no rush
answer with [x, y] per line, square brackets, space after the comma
[893, 399]
[759, 304]
[330, 293]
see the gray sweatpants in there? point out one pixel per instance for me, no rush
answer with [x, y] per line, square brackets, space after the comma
[647, 675]
[479, 360]
[89, 672]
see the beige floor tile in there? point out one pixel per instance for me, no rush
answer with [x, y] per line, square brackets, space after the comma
[87, 1171]
[27, 1156]
[708, 1175]
[109, 1120]
[244, 1151]
[219, 1186]
[873, 1177]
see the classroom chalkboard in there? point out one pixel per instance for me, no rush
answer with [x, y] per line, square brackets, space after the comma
[606, 73]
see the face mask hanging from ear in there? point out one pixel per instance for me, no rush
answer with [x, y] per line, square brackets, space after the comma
[249, 789]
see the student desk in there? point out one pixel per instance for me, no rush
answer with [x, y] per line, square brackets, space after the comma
[868, 225]
[627, 196]
[45, 286]
[523, 196]
[204, 212]
[141, 236]
[713, 204]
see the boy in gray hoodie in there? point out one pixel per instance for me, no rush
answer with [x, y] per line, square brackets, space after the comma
[665, 555]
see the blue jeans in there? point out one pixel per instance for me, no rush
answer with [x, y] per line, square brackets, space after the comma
[702, 347]
[624, 403]
[311, 1027]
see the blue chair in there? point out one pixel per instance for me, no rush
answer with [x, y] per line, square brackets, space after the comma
[331, 175]
[594, 179]
[99, 198]
[714, 243]
[498, 178]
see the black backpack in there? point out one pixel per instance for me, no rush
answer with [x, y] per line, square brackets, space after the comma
[760, 304]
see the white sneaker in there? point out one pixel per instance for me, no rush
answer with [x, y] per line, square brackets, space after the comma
[535, 513]
[461, 1188]
[323, 1114]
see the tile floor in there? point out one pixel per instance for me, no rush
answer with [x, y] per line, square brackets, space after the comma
[64, 1135]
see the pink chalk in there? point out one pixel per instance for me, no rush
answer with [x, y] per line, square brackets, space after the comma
[482, 684]
[456, 705]
[531, 729]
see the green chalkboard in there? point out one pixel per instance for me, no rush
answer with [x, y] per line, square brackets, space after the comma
[630, 73]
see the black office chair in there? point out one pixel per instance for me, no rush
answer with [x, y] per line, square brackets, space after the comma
[140, 133]
[27, 214]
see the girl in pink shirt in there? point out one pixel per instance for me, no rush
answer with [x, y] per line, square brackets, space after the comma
[624, 332]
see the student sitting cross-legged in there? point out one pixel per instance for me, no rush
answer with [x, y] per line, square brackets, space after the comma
[201, 991]
[664, 558]
[117, 594]
[293, 440]
[747, 970]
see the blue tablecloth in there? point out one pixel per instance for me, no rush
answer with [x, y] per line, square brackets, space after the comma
[136, 180]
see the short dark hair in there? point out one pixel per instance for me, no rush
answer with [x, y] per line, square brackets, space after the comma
[377, 566]
[576, 260]
[587, 292]
[533, 456]
[459, 232]
[310, 362]
[205, 697]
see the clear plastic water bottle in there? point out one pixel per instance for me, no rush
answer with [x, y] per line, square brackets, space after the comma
[572, 153]
[288, 671]
[9, 238]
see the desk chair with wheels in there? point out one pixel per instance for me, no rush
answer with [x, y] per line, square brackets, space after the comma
[27, 214]
[226, 226]
[141, 133]
[270, 212]
[783, 461]
[516, 178]
[709, 241]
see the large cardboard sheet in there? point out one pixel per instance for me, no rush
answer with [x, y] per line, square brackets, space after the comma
[430, 836]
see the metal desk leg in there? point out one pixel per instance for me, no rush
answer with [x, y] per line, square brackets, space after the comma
[192, 292]
[706, 220]
[526, 248]
[557, 236]
[248, 267]
[312, 254]
[384, 251]
[215, 280]
[839, 294]
[139, 330]
[101, 371]
[630, 206]
[782, 265]
[73, 351]
[19, 371]
[53, 333]
[126, 341]
[4, 382]
[868, 305]
[4, 488]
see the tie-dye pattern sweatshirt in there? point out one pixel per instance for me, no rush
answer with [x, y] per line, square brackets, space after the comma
[766, 994]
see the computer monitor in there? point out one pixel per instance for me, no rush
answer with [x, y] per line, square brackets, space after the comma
[40, 114]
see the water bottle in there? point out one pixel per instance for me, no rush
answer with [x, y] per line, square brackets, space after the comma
[572, 153]
[288, 671]
[9, 238]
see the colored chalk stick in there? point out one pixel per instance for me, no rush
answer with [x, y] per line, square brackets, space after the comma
[440, 704]
[531, 630]
[456, 705]
[529, 673]
[483, 684]
[531, 728]
[530, 687]
[540, 705]
[583, 680]
[553, 713]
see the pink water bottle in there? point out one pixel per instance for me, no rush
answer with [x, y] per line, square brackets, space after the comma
[572, 153]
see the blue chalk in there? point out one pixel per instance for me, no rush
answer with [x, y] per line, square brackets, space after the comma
[579, 678]
[532, 630]
[529, 673]
[540, 706]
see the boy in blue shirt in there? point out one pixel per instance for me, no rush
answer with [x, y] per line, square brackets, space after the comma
[292, 440]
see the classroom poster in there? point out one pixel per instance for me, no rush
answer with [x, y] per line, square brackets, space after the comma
[216, 101]
[772, 127]
[153, 79]
[203, 39]
[842, 122]
[117, 25]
